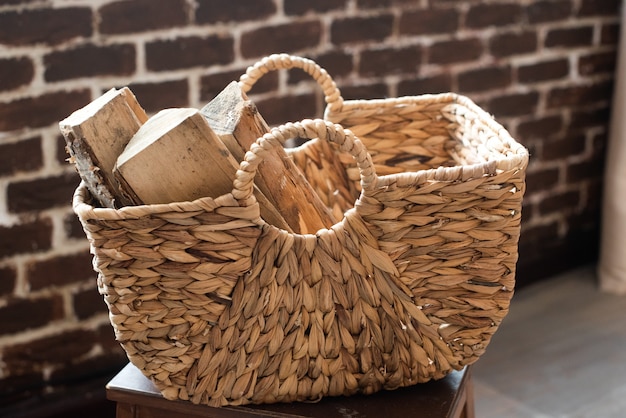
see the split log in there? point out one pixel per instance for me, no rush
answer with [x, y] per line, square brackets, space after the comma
[235, 118]
[175, 156]
[96, 135]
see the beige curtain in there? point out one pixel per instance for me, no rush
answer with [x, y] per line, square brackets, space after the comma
[612, 265]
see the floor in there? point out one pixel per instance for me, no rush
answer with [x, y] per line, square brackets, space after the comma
[561, 352]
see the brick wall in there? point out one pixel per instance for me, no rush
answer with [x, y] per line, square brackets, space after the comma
[544, 68]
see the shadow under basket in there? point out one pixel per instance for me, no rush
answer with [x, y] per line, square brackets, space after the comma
[218, 307]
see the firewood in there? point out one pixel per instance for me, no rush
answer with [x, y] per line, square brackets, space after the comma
[235, 118]
[96, 135]
[175, 156]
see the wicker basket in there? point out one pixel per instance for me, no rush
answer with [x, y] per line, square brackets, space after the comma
[218, 307]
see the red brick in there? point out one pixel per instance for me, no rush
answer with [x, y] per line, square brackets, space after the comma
[580, 95]
[381, 62]
[361, 29]
[211, 85]
[158, 96]
[563, 148]
[569, 37]
[186, 52]
[513, 43]
[549, 11]
[280, 110]
[141, 15]
[599, 8]
[8, 277]
[540, 127]
[289, 37]
[365, 91]
[48, 26]
[544, 179]
[597, 63]
[72, 226]
[440, 83]
[23, 238]
[27, 314]
[215, 11]
[42, 193]
[559, 202]
[461, 50]
[336, 63]
[63, 348]
[543, 71]
[484, 79]
[39, 111]
[519, 104]
[430, 21]
[88, 303]
[15, 72]
[484, 15]
[21, 156]
[60, 271]
[90, 61]
[300, 7]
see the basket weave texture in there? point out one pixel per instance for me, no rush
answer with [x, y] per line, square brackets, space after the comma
[218, 307]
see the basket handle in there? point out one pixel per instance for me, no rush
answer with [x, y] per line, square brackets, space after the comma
[244, 180]
[285, 61]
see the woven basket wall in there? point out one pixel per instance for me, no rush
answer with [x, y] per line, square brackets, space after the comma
[218, 307]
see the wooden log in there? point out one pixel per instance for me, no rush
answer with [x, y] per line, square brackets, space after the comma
[96, 135]
[235, 118]
[175, 156]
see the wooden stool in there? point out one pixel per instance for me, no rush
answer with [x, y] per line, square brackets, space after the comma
[452, 396]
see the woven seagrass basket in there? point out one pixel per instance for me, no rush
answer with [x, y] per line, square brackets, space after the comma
[218, 307]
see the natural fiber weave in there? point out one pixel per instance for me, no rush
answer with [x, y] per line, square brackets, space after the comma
[218, 307]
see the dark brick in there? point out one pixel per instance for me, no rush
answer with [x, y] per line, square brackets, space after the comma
[15, 72]
[52, 350]
[382, 62]
[580, 95]
[507, 44]
[590, 118]
[39, 111]
[430, 21]
[544, 179]
[485, 79]
[548, 11]
[142, 15]
[610, 34]
[540, 128]
[89, 61]
[542, 71]
[211, 85]
[187, 52]
[26, 238]
[336, 63]
[448, 52]
[214, 11]
[290, 38]
[598, 63]
[365, 91]
[582, 171]
[440, 83]
[62, 155]
[72, 226]
[48, 26]
[88, 369]
[371, 4]
[21, 387]
[24, 155]
[599, 8]
[569, 37]
[519, 104]
[280, 110]
[157, 96]
[559, 202]
[484, 15]
[27, 314]
[361, 29]
[60, 271]
[300, 7]
[8, 277]
[106, 338]
[43, 193]
[88, 303]
[563, 148]
[538, 233]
